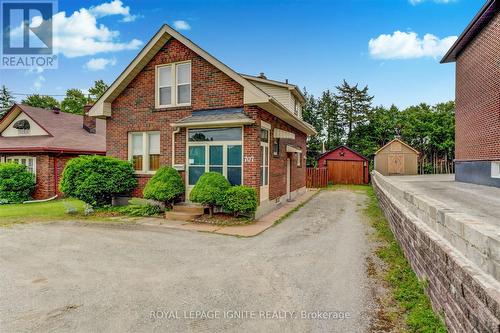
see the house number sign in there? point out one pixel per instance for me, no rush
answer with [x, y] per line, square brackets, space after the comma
[249, 159]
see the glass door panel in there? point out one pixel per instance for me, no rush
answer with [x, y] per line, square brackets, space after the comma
[216, 159]
[234, 154]
[196, 163]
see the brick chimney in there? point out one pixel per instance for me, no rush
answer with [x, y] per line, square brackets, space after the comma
[89, 123]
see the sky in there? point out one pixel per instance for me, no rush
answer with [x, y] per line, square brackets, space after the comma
[393, 46]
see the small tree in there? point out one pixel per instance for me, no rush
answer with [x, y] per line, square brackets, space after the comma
[98, 90]
[96, 179]
[6, 99]
[240, 200]
[210, 190]
[166, 186]
[16, 183]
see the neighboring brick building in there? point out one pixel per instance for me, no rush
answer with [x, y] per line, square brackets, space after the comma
[477, 137]
[44, 140]
[177, 105]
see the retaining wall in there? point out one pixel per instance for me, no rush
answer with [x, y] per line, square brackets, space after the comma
[444, 252]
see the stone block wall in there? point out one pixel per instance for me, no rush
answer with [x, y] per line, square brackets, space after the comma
[467, 296]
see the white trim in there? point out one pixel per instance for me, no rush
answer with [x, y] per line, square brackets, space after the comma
[264, 147]
[145, 150]
[26, 157]
[173, 85]
[265, 125]
[292, 149]
[495, 169]
[215, 123]
[282, 134]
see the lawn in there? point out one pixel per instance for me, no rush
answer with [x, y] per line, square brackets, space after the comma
[39, 211]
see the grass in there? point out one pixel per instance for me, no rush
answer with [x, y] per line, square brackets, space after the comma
[407, 290]
[40, 211]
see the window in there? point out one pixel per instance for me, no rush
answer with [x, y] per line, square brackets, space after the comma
[144, 151]
[215, 134]
[28, 161]
[173, 85]
[299, 160]
[495, 169]
[276, 147]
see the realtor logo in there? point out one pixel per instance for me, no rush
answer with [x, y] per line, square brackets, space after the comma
[27, 34]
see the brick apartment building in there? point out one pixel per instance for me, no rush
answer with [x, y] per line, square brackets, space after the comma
[44, 140]
[477, 138]
[177, 105]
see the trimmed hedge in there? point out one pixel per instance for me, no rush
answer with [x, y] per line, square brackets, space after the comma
[96, 179]
[210, 190]
[240, 200]
[166, 185]
[16, 183]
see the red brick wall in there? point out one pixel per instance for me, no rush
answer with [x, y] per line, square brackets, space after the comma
[134, 109]
[46, 180]
[478, 97]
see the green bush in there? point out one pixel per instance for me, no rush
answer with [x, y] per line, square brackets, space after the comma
[210, 190]
[141, 210]
[96, 179]
[16, 183]
[166, 185]
[240, 200]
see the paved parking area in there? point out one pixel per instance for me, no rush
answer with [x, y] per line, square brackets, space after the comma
[481, 202]
[73, 277]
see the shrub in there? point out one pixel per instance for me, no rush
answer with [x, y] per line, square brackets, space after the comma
[141, 210]
[240, 200]
[16, 183]
[210, 190]
[166, 185]
[96, 179]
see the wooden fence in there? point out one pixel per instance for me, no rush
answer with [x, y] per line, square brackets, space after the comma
[316, 178]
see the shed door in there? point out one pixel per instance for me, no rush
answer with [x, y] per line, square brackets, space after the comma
[396, 164]
[345, 172]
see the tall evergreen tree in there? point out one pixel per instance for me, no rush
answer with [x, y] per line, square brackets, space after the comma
[332, 120]
[354, 104]
[6, 100]
[312, 115]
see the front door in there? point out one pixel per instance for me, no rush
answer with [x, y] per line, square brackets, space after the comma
[396, 164]
[264, 162]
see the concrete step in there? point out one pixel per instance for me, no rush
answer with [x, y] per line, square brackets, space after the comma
[189, 208]
[181, 216]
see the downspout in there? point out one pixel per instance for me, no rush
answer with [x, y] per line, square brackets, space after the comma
[174, 132]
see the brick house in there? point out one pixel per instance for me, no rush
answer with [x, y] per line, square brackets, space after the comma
[44, 140]
[177, 105]
[477, 136]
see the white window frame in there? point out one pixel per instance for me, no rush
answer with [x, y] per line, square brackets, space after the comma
[299, 160]
[145, 150]
[495, 169]
[173, 87]
[14, 158]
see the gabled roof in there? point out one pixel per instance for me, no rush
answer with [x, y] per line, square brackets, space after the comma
[482, 18]
[292, 87]
[345, 147]
[402, 142]
[65, 133]
[252, 95]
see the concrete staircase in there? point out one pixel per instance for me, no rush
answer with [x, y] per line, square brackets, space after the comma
[185, 212]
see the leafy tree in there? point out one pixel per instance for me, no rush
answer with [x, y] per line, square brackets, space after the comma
[41, 101]
[332, 119]
[98, 90]
[354, 104]
[6, 99]
[74, 101]
[312, 115]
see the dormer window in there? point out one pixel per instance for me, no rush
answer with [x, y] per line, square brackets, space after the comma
[173, 85]
[22, 126]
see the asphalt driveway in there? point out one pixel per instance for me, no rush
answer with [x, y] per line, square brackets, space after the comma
[69, 277]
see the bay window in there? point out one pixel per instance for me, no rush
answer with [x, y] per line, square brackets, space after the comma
[28, 161]
[173, 85]
[144, 151]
